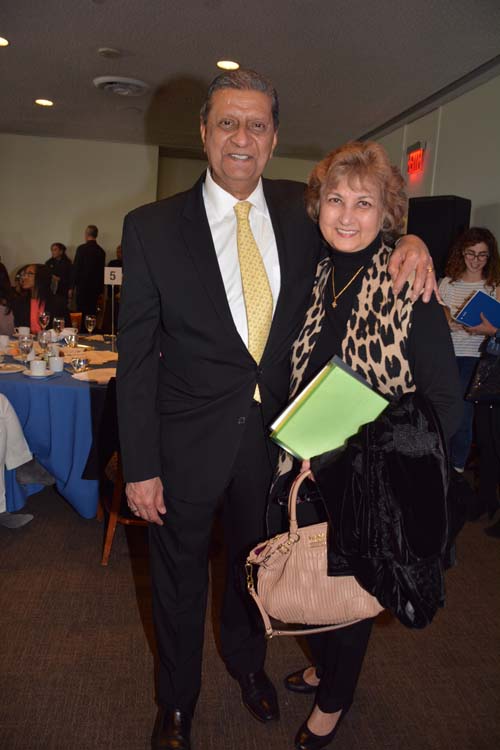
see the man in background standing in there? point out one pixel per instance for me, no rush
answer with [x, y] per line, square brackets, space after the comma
[88, 271]
[61, 269]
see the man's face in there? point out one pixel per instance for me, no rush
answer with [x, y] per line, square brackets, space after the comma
[56, 252]
[239, 139]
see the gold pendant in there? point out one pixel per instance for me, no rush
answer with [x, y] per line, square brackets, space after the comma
[334, 303]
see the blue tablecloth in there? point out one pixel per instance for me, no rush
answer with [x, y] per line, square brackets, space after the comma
[55, 415]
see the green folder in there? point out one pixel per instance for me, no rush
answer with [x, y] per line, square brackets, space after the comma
[328, 411]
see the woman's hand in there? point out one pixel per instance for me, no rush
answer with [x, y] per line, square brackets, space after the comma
[306, 466]
[483, 329]
[412, 256]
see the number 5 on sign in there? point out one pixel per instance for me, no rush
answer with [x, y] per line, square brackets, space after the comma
[113, 275]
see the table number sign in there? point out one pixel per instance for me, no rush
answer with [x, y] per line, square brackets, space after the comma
[113, 275]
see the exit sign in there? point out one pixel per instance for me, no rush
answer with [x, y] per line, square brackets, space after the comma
[415, 158]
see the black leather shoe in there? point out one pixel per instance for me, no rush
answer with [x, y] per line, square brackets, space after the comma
[259, 696]
[296, 683]
[172, 730]
[307, 740]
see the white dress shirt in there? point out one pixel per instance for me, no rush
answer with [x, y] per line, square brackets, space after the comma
[219, 206]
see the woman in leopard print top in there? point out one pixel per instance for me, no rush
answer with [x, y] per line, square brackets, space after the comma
[397, 345]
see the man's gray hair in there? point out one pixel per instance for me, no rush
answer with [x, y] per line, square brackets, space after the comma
[246, 80]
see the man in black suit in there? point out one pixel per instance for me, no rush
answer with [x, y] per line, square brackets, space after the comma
[194, 404]
[88, 273]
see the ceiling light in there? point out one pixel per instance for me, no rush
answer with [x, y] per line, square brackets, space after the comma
[228, 65]
[4, 42]
[44, 102]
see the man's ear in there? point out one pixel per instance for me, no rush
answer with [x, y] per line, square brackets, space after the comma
[275, 143]
[203, 132]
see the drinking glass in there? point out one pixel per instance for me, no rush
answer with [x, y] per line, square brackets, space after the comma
[44, 319]
[44, 339]
[90, 322]
[58, 325]
[25, 346]
[79, 364]
[71, 340]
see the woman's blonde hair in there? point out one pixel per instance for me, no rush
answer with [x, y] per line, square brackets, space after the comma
[359, 161]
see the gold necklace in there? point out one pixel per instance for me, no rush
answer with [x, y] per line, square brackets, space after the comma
[335, 295]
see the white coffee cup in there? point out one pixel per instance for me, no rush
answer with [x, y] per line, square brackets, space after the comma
[4, 342]
[68, 331]
[38, 367]
[56, 364]
[22, 330]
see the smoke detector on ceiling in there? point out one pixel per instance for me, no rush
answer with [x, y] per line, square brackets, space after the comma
[121, 86]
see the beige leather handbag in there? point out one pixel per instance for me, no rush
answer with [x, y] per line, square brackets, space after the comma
[292, 581]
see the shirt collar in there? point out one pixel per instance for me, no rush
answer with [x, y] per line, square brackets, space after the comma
[221, 203]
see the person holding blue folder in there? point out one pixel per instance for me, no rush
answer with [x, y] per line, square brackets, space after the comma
[473, 265]
[398, 346]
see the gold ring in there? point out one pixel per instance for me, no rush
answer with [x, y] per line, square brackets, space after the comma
[430, 269]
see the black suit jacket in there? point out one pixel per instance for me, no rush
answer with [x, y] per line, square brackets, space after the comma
[185, 378]
[88, 269]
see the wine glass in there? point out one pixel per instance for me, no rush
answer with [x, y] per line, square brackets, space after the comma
[71, 340]
[44, 319]
[25, 346]
[58, 325]
[44, 339]
[90, 323]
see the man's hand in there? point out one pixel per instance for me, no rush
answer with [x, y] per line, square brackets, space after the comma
[411, 255]
[483, 329]
[145, 499]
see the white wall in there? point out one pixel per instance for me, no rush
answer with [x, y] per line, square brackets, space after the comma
[51, 188]
[175, 175]
[463, 152]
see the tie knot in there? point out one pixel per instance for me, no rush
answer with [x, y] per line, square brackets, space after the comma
[242, 209]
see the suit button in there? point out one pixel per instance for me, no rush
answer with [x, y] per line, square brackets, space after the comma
[242, 420]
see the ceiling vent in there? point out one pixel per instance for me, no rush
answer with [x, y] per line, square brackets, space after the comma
[121, 86]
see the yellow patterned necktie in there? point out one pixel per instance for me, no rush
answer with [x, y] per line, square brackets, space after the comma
[256, 289]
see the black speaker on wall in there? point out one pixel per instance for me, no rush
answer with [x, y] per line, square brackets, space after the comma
[438, 220]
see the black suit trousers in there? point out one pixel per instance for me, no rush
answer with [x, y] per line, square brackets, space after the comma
[179, 565]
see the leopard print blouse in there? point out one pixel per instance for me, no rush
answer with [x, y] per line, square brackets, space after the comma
[376, 340]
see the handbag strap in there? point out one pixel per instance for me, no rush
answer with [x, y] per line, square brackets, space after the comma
[292, 500]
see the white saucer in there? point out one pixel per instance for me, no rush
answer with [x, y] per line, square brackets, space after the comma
[46, 374]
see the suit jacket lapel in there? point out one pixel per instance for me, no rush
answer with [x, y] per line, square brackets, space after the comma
[200, 246]
[280, 314]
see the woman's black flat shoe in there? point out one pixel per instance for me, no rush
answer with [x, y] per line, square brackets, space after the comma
[296, 683]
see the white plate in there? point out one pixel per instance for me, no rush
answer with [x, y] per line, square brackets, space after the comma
[101, 376]
[46, 374]
[8, 368]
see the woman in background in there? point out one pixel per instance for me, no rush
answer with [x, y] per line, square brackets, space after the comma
[36, 297]
[473, 265]
[6, 316]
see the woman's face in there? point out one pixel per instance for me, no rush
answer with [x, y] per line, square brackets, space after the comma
[476, 257]
[350, 217]
[28, 277]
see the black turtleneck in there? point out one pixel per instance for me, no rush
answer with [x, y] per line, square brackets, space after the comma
[430, 351]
